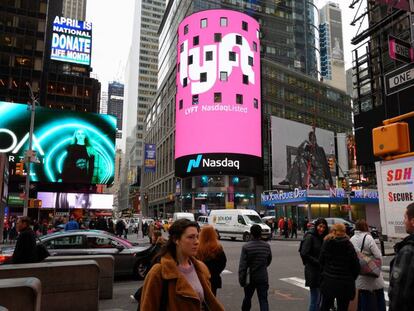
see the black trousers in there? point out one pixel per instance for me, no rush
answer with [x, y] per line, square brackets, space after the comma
[328, 302]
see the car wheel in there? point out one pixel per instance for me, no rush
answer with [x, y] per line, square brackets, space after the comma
[141, 269]
[246, 237]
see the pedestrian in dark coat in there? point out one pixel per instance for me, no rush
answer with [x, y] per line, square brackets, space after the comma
[402, 268]
[212, 254]
[25, 250]
[120, 227]
[255, 257]
[340, 268]
[310, 251]
[101, 224]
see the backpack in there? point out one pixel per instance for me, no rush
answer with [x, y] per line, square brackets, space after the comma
[164, 296]
[301, 246]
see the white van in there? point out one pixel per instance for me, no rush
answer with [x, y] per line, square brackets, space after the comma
[181, 215]
[236, 223]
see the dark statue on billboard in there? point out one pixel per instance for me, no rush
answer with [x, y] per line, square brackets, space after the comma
[309, 167]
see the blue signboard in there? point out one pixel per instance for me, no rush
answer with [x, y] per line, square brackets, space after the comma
[150, 158]
[71, 41]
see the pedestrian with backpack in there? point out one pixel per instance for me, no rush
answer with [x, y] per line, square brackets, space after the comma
[309, 250]
[179, 269]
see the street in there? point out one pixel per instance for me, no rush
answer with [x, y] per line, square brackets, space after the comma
[286, 290]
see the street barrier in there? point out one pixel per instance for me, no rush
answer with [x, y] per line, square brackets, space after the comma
[20, 294]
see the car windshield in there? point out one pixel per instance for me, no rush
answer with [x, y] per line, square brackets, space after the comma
[253, 219]
[123, 241]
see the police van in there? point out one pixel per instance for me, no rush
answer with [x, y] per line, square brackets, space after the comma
[236, 223]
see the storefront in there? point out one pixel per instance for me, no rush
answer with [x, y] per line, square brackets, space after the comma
[298, 204]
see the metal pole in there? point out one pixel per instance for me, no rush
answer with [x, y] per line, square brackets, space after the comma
[29, 152]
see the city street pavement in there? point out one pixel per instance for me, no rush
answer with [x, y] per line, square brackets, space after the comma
[286, 292]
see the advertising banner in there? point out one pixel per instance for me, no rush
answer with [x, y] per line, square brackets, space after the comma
[71, 41]
[150, 158]
[60, 200]
[395, 188]
[218, 101]
[71, 147]
[300, 155]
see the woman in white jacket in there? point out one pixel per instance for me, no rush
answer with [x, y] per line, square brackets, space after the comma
[370, 289]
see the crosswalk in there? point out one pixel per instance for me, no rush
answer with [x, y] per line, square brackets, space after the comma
[300, 282]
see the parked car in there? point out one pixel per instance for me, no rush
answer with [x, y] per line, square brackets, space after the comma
[349, 225]
[130, 259]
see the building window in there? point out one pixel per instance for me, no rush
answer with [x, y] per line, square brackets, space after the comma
[209, 55]
[185, 82]
[203, 77]
[181, 104]
[217, 97]
[250, 61]
[239, 99]
[186, 29]
[245, 26]
[245, 79]
[217, 37]
[196, 40]
[195, 100]
[223, 21]
[232, 56]
[203, 23]
[255, 46]
[238, 40]
[223, 76]
[255, 103]
[190, 59]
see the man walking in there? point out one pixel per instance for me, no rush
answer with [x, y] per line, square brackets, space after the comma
[255, 257]
[72, 224]
[402, 268]
[25, 250]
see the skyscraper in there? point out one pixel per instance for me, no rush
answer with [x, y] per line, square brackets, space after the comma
[116, 104]
[140, 88]
[75, 9]
[332, 46]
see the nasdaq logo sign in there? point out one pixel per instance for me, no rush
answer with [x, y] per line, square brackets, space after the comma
[194, 163]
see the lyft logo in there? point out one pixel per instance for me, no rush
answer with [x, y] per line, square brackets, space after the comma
[219, 62]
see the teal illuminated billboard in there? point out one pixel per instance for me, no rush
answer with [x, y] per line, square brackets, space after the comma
[71, 147]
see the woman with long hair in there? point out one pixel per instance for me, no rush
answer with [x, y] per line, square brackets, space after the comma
[309, 251]
[212, 254]
[339, 269]
[178, 274]
[370, 289]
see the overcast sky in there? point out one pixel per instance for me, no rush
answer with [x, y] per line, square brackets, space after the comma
[112, 31]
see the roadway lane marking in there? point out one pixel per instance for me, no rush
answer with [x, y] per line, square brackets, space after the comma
[286, 296]
[226, 272]
[296, 281]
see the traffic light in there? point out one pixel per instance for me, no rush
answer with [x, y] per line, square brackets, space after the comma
[20, 168]
[35, 203]
[331, 162]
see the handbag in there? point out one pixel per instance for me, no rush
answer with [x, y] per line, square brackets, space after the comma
[41, 251]
[370, 266]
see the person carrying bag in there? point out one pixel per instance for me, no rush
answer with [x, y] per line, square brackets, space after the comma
[370, 282]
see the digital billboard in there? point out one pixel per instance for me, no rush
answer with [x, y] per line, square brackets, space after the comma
[72, 147]
[218, 102]
[300, 155]
[71, 41]
[61, 200]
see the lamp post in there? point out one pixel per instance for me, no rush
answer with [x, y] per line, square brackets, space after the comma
[29, 153]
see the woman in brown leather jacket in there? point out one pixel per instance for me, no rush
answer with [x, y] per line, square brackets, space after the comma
[187, 280]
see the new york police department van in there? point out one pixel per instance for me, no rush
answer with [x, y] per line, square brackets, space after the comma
[236, 223]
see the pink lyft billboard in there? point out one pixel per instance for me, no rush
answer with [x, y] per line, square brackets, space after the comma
[218, 102]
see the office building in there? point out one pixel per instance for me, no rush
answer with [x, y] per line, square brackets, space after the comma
[278, 48]
[116, 104]
[332, 46]
[375, 98]
[140, 88]
[103, 109]
[75, 9]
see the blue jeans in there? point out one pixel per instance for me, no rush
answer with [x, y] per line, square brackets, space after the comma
[368, 301]
[315, 297]
[261, 294]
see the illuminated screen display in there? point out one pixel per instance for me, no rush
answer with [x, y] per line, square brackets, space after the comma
[71, 147]
[75, 200]
[71, 41]
[218, 102]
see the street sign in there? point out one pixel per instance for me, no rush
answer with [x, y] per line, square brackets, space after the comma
[400, 50]
[399, 79]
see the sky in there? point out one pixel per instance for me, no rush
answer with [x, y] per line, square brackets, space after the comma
[112, 32]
